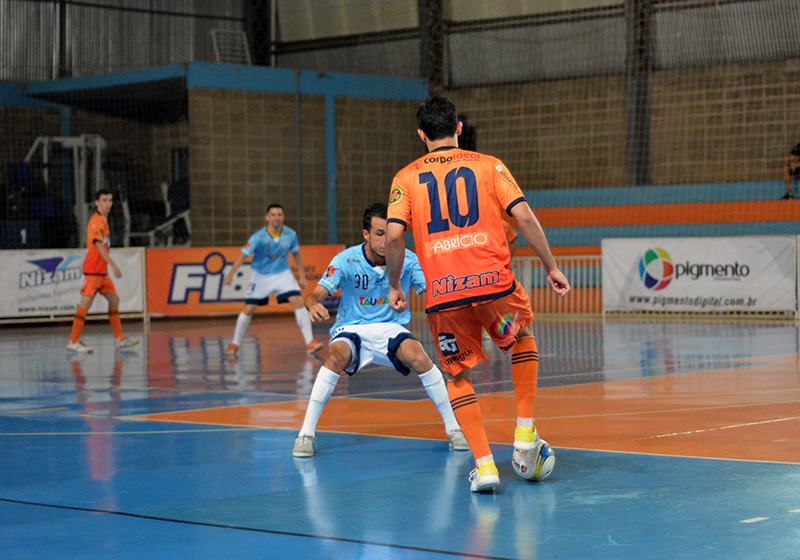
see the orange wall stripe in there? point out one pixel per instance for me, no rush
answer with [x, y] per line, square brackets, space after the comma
[694, 213]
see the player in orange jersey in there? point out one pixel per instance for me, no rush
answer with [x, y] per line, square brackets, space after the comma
[452, 200]
[511, 235]
[96, 278]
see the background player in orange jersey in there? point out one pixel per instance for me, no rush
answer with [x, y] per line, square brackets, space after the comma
[452, 200]
[96, 278]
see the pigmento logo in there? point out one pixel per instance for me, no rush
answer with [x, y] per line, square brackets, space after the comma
[657, 270]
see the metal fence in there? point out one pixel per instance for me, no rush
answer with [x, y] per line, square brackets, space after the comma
[583, 273]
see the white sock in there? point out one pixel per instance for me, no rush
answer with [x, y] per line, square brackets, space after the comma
[304, 322]
[437, 391]
[525, 422]
[480, 460]
[241, 327]
[320, 393]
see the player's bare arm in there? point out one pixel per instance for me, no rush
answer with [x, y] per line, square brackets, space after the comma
[395, 255]
[301, 271]
[532, 231]
[236, 264]
[101, 249]
[313, 303]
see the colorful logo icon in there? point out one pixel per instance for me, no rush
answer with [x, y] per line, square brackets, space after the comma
[504, 325]
[656, 269]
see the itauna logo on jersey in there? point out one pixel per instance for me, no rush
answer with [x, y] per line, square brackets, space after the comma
[450, 284]
[371, 301]
[330, 271]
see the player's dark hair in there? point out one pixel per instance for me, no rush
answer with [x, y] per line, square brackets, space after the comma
[377, 210]
[436, 117]
[273, 205]
[101, 192]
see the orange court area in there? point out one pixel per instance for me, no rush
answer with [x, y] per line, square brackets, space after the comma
[744, 413]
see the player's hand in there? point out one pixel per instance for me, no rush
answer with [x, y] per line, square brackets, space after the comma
[318, 313]
[228, 280]
[558, 282]
[397, 299]
[117, 271]
[303, 282]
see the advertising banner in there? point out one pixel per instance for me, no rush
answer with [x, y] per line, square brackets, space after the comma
[187, 282]
[47, 283]
[702, 274]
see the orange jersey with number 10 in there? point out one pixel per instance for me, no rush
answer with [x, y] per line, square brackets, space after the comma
[96, 230]
[452, 200]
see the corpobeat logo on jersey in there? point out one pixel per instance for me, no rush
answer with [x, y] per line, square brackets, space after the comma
[54, 270]
[207, 279]
[656, 269]
[331, 270]
[396, 195]
[453, 243]
[458, 156]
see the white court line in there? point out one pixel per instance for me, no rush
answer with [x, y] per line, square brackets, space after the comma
[754, 520]
[794, 511]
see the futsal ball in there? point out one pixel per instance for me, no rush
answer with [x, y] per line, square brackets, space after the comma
[534, 465]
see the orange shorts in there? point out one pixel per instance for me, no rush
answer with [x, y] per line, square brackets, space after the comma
[457, 332]
[94, 283]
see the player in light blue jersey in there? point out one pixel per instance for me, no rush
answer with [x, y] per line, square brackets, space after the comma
[270, 247]
[368, 331]
[363, 285]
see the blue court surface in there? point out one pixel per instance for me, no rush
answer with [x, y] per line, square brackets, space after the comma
[83, 475]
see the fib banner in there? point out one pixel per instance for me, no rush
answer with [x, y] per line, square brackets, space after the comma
[186, 282]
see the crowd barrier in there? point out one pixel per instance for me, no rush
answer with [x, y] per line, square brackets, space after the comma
[761, 278]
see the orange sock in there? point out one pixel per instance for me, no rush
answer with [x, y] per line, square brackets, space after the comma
[524, 373]
[116, 324]
[468, 413]
[77, 324]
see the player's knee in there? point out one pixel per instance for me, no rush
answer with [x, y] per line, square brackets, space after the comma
[412, 353]
[338, 357]
[113, 300]
[249, 310]
[296, 302]
[525, 332]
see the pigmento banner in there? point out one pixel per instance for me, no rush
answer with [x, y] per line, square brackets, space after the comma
[701, 274]
[47, 282]
[186, 282]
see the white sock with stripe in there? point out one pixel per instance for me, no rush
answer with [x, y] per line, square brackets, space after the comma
[304, 322]
[320, 393]
[241, 327]
[437, 391]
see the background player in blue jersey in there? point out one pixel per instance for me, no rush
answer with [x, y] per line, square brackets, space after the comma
[270, 247]
[367, 331]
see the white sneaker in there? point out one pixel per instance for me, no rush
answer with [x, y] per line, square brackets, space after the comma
[125, 343]
[304, 446]
[484, 478]
[457, 440]
[79, 347]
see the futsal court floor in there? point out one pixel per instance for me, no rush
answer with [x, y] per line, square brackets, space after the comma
[673, 440]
